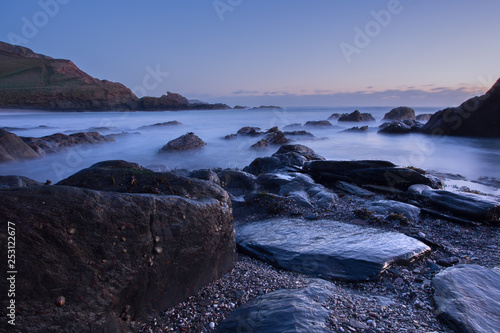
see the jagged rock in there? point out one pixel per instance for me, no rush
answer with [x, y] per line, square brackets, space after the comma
[467, 298]
[12, 148]
[170, 101]
[336, 116]
[205, 174]
[380, 173]
[57, 142]
[327, 249]
[400, 113]
[476, 117]
[7, 182]
[357, 116]
[320, 124]
[395, 127]
[356, 129]
[249, 131]
[231, 136]
[299, 133]
[237, 182]
[472, 206]
[391, 210]
[112, 256]
[424, 117]
[262, 144]
[239, 107]
[266, 107]
[275, 137]
[164, 124]
[288, 310]
[188, 141]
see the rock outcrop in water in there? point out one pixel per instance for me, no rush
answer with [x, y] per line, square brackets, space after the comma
[476, 117]
[185, 142]
[400, 113]
[13, 148]
[356, 116]
[114, 256]
[34, 81]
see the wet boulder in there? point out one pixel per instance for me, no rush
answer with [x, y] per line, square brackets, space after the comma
[93, 261]
[287, 156]
[366, 172]
[467, 205]
[400, 113]
[185, 142]
[205, 174]
[327, 249]
[275, 137]
[467, 298]
[262, 144]
[12, 148]
[391, 210]
[287, 310]
[237, 182]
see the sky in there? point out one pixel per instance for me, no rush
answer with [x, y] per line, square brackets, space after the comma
[272, 52]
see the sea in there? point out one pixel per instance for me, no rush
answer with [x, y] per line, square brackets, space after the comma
[465, 163]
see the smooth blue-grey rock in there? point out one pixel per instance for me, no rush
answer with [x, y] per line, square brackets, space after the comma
[327, 249]
[472, 206]
[237, 182]
[353, 189]
[468, 298]
[386, 208]
[185, 142]
[284, 311]
[400, 113]
[205, 174]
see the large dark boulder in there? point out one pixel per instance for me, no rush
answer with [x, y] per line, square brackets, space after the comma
[400, 127]
[467, 298]
[12, 148]
[57, 142]
[476, 117]
[249, 131]
[380, 173]
[288, 310]
[356, 116]
[400, 113]
[93, 261]
[275, 137]
[325, 248]
[127, 177]
[185, 142]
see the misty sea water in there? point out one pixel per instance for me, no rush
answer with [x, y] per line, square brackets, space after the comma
[469, 157]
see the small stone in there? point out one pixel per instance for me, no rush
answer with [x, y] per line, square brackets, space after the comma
[158, 250]
[60, 301]
[398, 282]
[157, 239]
[211, 325]
[124, 250]
[123, 239]
[447, 262]
[71, 231]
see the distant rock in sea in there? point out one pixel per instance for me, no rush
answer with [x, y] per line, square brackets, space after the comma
[476, 117]
[188, 141]
[266, 107]
[400, 113]
[357, 116]
[33, 81]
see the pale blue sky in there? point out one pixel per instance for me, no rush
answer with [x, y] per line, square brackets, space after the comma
[285, 52]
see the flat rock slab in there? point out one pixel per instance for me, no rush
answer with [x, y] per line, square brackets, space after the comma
[327, 249]
[289, 310]
[468, 298]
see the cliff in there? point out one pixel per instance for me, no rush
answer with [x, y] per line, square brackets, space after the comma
[33, 81]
